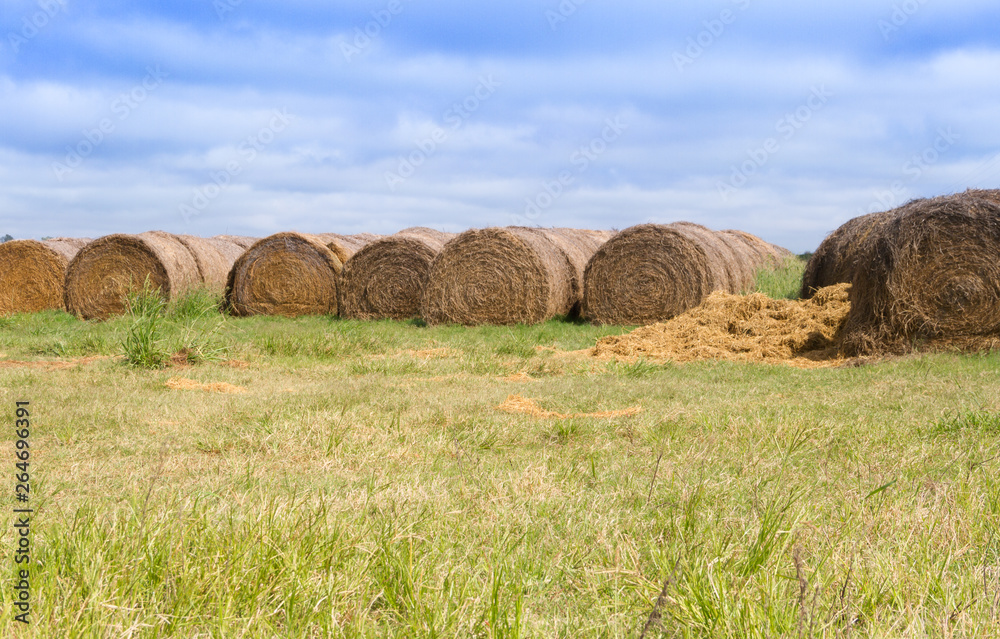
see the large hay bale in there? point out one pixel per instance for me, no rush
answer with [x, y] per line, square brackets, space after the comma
[33, 273]
[386, 278]
[930, 271]
[103, 272]
[345, 246]
[507, 275]
[243, 241]
[214, 258]
[993, 195]
[288, 274]
[835, 261]
[653, 272]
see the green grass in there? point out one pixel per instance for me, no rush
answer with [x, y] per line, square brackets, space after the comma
[782, 281]
[365, 485]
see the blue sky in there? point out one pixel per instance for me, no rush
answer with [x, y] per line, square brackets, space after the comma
[249, 117]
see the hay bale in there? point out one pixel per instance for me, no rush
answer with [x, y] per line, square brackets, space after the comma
[103, 272]
[345, 246]
[243, 241]
[720, 256]
[507, 275]
[652, 272]
[214, 258]
[993, 195]
[835, 260]
[288, 274]
[928, 272]
[33, 273]
[386, 278]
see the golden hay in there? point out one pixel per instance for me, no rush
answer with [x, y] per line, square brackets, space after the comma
[386, 278]
[746, 328]
[930, 272]
[104, 271]
[836, 258]
[183, 383]
[243, 241]
[345, 246]
[288, 274]
[652, 272]
[291, 274]
[509, 275]
[33, 273]
[214, 258]
[523, 405]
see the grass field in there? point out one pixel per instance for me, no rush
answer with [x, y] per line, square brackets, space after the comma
[364, 483]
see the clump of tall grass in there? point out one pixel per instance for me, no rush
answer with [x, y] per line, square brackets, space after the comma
[143, 343]
[188, 326]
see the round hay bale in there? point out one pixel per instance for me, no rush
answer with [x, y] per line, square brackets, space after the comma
[835, 260]
[345, 246]
[288, 274]
[762, 253]
[243, 241]
[509, 275]
[649, 273]
[993, 195]
[214, 258]
[33, 273]
[719, 253]
[386, 278]
[103, 272]
[744, 264]
[930, 272]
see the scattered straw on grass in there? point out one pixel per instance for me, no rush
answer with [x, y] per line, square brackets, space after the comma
[518, 377]
[523, 405]
[183, 383]
[747, 328]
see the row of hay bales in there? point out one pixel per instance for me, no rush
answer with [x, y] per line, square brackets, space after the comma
[926, 271]
[498, 276]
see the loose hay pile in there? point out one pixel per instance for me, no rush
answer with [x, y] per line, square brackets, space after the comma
[930, 272]
[386, 278]
[523, 405]
[652, 272]
[510, 275]
[104, 271]
[290, 274]
[746, 328]
[33, 273]
[183, 383]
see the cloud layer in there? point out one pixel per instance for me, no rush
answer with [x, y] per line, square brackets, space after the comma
[254, 117]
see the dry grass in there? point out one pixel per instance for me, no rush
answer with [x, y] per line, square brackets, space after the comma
[390, 498]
